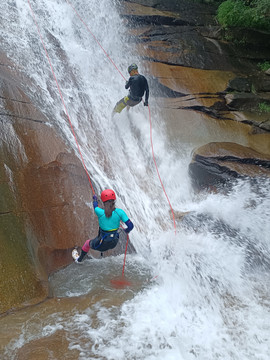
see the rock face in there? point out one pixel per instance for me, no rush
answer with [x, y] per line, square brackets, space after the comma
[43, 186]
[216, 164]
[44, 190]
[196, 70]
[184, 35]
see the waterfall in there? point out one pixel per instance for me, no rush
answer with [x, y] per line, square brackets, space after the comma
[210, 295]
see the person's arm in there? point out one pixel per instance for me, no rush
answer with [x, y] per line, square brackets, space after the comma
[146, 93]
[127, 84]
[95, 201]
[130, 226]
[123, 216]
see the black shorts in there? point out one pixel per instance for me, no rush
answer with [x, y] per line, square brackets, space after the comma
[105, 240]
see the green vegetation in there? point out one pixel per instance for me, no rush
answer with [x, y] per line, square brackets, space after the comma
[264, 107]
[254, 14]
[264, 66]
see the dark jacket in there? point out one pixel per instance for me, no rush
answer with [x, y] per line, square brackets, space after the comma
[138, 86]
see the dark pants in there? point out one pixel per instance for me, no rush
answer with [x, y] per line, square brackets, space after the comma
[126, 101]
[105, 240]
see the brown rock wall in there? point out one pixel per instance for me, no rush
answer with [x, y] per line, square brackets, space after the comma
[44, 198]
[208, 89]
[44, 190]
[43, 186]
[189, 55]
[218, 164]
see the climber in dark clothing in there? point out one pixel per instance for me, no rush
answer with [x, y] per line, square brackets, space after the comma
[138, 86]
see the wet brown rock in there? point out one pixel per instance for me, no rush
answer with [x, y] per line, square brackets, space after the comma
[54, 345]
[240, 84]
[196, 50]
[43, 187]
[46, 198]
[216, 164]
[262, 84]
[192, 86]
[43, 192]
[183, 45]
[265, 125]
[184, 11]
[244, 101]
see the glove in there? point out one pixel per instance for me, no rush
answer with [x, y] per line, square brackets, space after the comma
[146, 103]
[95, 198]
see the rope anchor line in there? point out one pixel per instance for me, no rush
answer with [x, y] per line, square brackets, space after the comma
[61, 96]
[116, 282]
[73, 132]
[153, 154]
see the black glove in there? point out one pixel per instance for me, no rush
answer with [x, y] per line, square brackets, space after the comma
[146, 103]
[95, 198]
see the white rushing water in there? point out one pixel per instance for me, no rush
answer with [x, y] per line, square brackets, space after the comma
[210, 295]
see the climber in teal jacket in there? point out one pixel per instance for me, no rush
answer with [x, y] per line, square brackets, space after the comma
[109, 222]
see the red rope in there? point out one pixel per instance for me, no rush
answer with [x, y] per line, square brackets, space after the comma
[152, 146]
[47, 55]
[125, 256]
[33, 15]
[148, 109]
[95, 39]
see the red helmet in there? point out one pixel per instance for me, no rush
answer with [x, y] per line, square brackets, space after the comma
[108, 194]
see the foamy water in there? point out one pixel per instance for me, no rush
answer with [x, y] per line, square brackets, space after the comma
[200, 294]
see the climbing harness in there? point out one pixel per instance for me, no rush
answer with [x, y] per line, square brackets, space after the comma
[111, 236]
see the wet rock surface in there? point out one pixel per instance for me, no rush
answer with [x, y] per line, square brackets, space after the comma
[195, 69]
[195, 41]
[43, 187]
[217, 164]
[44, 194]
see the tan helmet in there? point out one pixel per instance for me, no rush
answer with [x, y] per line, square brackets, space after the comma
[132, 67]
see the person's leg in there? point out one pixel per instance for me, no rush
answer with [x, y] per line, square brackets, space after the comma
[96, 242]
[120, 105]
[104, 243]
[85, 249]
[112, 243]
[130, 103]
